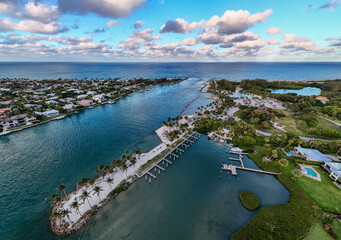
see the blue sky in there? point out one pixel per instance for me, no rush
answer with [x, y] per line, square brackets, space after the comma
[170, 30]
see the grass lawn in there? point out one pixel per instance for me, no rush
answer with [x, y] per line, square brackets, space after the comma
[337, 227]
[324, 193]
[318, 233]
[290, 123]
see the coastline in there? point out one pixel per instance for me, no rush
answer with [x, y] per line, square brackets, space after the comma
[122, 180]
[65, 115]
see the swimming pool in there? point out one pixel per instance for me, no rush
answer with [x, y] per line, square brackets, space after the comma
[311, 172]
[290, 154]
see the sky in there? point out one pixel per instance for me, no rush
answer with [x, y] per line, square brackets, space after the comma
[170, 30]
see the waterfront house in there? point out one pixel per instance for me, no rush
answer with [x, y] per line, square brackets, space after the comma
[14, 121]
[311, 155]
[334, 171]
[68, 107]
[85, 103]
[99, 98]
[322, 99]
[49, 113]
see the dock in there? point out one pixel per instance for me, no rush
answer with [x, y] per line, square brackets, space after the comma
[177, 148]
[160, 167]
[167, 161]
[233, 169]
[152, 175]
[174, 155]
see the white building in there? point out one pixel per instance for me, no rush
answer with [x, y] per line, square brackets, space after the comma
[99, 98]
[50, 113]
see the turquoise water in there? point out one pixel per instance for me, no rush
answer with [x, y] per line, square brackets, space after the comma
[291, 154]
[240, 94]
[311, 172]
[307, 91]
[189, 199]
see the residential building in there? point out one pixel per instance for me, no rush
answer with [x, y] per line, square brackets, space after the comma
[49, 113]
[322, 99]
[311, 155]
[334, 171]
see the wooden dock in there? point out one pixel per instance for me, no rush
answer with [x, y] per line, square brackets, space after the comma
[233, 169]
[230, 168]
[160, 167]
[147, 172]
[167, 161]
[258, 170]
[152, 175]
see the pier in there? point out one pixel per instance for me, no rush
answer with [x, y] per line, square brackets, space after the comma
[160, 167]
[238, 159]
[233, 169]
[167, 161]
[174, 155]
[180, 150]
[152, 175]
[177, 148]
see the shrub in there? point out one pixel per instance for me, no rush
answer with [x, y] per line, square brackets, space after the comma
[249, 200]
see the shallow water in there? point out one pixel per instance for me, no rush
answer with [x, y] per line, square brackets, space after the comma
[307, 91]
[187, 199]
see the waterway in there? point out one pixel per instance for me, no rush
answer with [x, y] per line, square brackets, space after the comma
[189, 200]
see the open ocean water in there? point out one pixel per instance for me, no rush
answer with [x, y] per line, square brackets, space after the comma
[230, 71]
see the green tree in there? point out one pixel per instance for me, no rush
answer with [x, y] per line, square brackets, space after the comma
[110, 181]
[85, 195]
[75, 205]
[97, 190]
[61, 188]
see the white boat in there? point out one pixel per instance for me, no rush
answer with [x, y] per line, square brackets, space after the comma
[236, 150]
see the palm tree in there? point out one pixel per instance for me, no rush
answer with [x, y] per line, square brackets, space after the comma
[110, 181]
[61, 188]
[97, 190]
[297, 173]
[124, 167]
[75, 205]
[133, 161]
[65, 213]
[283, 162]
[86, 195]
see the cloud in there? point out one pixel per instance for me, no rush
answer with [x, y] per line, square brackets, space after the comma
[36, 11]
[230, 23]
[97, 30]
[103, 8]
[190, 42]
[332, 5]
[273, 30]
[138, 24]
[334, 41]
[75, 41]
[32, 26]
[273, 41]
[113, 23]
[293, 43]
[212, 36]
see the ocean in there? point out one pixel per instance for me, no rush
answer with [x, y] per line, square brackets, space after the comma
[230, 71]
